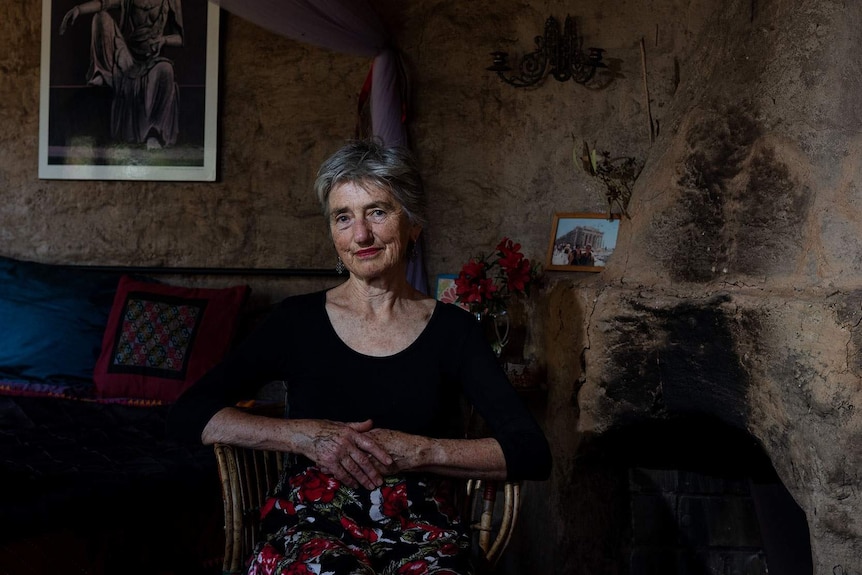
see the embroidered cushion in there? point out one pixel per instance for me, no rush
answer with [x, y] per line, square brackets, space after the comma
[160, 338]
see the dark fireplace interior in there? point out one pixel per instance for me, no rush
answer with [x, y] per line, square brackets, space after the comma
[688, 495]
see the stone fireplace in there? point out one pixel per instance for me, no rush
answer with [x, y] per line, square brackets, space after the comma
[706, 441]
[733, 295]
[701, 497]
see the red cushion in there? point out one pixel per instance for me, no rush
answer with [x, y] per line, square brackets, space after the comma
[160, 338]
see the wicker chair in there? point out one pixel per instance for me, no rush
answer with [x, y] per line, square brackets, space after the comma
[249, 475]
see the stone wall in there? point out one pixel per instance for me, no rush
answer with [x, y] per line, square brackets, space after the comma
[747, 211]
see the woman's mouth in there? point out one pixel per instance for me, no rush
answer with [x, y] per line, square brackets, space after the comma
[367, 252]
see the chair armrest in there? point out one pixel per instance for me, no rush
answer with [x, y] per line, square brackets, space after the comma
[493, 537]
[247, 476]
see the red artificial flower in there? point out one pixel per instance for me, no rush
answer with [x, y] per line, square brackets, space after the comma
[508, 248]
[487, 288]
[510, 254]
[472, 285]
[467, 281]
[468, 292]
[485, 282]
[474, 269]
[518, 276]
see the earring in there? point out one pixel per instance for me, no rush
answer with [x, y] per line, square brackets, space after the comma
[414, 253]
[339, 267]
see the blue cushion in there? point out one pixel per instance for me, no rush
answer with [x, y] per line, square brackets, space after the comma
[52, 319]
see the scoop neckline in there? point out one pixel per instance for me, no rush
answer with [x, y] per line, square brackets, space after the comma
[409, 346]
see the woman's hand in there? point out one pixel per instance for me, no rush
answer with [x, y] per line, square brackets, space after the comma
[475, 458]
[407, 452]
[347, 452]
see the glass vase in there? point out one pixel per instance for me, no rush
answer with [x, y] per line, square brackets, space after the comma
[496, 327]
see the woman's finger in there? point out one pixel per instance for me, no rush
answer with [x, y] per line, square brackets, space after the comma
[367, 444]
[362, 468]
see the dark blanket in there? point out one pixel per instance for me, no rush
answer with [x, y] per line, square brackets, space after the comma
[85, 465]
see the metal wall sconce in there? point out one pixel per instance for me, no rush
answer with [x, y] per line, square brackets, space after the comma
[557, 53]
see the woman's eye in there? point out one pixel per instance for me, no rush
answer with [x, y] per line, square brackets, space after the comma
[378, 214]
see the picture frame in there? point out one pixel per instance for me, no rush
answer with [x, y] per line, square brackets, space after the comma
[582, 242]
[93, 123]
[445, 288]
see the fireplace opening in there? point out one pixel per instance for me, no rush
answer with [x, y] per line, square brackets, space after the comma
[698, 496]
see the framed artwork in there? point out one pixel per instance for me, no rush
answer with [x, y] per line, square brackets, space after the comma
[128, 93]
[582, 242]
[445, 290]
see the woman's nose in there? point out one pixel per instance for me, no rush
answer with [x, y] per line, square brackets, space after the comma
[361, 230]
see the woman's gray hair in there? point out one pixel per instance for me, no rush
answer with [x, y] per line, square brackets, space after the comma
[369, 163]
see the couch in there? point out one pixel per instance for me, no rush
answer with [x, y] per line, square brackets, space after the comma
[90, 361]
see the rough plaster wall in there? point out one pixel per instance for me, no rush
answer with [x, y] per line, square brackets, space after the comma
[284, 107]
[498, 161]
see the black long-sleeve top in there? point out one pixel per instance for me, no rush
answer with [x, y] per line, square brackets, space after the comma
[416, 390]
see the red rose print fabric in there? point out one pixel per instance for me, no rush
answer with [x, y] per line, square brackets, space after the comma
[316, 525]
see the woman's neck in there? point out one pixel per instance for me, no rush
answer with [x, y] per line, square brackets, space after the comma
[375, 296]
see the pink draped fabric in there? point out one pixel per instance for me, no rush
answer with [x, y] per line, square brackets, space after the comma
[353, 27]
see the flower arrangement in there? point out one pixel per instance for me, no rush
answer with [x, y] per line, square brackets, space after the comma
[486, 282]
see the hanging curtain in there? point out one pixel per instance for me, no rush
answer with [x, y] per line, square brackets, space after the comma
[353, 27]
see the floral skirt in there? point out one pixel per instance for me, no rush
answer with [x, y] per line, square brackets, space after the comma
[407, 526]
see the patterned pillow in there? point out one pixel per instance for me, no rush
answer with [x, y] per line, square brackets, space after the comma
[160, 338]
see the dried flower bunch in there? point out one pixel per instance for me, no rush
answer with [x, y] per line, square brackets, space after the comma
[617, 175]
[486, 282]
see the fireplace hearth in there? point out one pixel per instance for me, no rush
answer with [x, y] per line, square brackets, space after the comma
[702, 497]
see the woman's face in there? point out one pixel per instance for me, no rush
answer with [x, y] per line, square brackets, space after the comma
[370, 229]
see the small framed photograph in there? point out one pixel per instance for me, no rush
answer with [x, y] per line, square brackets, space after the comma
[128, 90]
[582, 242]
[445, 290]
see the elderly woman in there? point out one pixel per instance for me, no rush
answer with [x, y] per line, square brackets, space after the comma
[375, 370]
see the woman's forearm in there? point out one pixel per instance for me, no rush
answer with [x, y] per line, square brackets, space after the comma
[236, 427]
[342, 449]
[473, 458]
[331, 444]
[467, 458]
